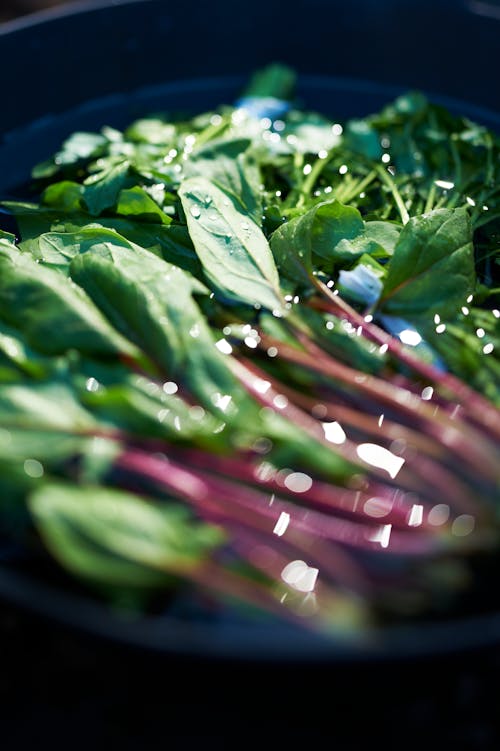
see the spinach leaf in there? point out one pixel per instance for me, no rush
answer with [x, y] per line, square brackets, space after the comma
[112, 537]
[233, 250]
[330, 232]
[227, 163]
[102, 189]
[432, 268]
[136, 202]
[52, 312]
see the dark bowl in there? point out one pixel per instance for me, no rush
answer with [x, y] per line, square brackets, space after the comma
[91, 64]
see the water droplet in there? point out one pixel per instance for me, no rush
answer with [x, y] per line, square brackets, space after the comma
[463, 525]
[416, 515]
[334, 432]
[224, 346]
[261, 386]
[222, 401]
[300, 576]
[272, 351]
[377, 507]
[170, 387]
[251, 342]
[194, 331]
[439, 514]
[382, 535]
[280, 401]
[195, 212]
[262, 445]
[398, 446]
[298, 482]
[410, 337]
[282, 524]
[378, 456]
[196, 412]
[319, 411]
[92, 384]
[33, 468]
[488, 348]
[245, 225]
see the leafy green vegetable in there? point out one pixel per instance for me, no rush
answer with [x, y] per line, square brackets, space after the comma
[233, 250]
[116, 538]
[432, 268]
[69, 318]
[241, 348]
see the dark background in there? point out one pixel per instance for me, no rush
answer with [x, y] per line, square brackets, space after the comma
[15, 8]
[66, 689]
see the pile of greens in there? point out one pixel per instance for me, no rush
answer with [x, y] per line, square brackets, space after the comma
[254, 355]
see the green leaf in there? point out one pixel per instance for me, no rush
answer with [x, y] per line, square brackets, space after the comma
[14, 349]
[363, 139]
[310, 133]
[385, 234]
[136, 202]
[80, 146]
[151, 130]
[49, 405]
[141, 406]
[228, 164]
[234, 252]
[328, 231]
[101, 190]
[172, 241]
[66, 195]
[150, 301]
[432, 268]
[53, 314]
[119, 287]
[112, 537]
